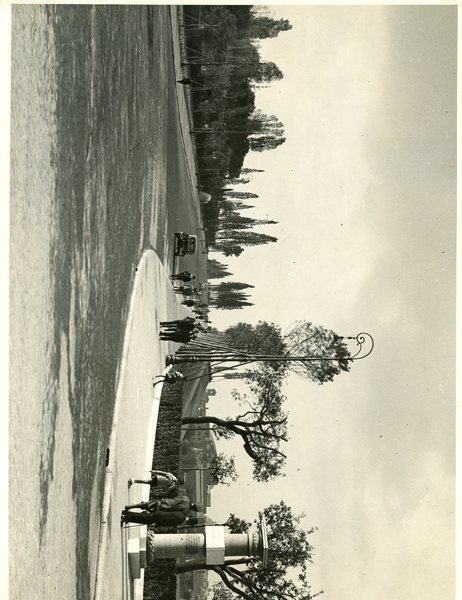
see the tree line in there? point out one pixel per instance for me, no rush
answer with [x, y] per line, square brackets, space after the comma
[226, 68]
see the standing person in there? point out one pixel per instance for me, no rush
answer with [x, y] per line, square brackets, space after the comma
[184, 276]
[160, 518]
[185, 327]
[180, 337]
[188, 302]
[162, 478]
[176, 322]
[165, 511]
[186, 290]
[180, 327]
[178, 502]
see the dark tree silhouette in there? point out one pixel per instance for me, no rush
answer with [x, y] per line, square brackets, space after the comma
[267, 71]
[265, 27]
[262, 338]
[245, 170]
[242, 195]
[262, 427]
[306, 339]
[285, 577]
[265, 142]
[233, 221]
[231, 206]
[244, 238]
[229, 295]
[311, 351]
[228, 248]
[216, 269]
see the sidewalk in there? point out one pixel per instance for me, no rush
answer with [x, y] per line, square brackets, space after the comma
[135, 416]
[176, 17]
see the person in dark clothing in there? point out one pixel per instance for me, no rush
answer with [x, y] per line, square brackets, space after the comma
[178, 326]
[188, 302]
[178, 502]
[181, 337]
[184, 328]
[179, 330]
[175, 322]
[177, 338]
[163, 511]
[187, 325]
[186, 290]
[159, 517]
[184, 276]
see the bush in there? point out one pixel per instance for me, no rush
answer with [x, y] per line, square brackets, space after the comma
[160, 577]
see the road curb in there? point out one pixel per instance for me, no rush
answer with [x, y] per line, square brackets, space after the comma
[103, 536]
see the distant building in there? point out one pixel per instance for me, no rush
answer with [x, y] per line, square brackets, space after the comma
[198, 450]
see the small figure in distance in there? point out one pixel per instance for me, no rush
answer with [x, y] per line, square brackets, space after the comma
[186, 290]
[188, 302]
[184, 276]
[170, 377]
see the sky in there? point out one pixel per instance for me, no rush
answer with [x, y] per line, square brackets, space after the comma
[364, 192]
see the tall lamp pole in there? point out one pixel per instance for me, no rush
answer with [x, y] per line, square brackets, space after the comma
[364, 341]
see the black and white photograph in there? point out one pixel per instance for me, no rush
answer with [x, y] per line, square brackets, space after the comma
[230, 301]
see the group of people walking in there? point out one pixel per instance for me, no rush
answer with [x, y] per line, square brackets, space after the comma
[191, 293]
[163, 512]
[173, 509]
[184, 286]
[179, 330]
[184, 276]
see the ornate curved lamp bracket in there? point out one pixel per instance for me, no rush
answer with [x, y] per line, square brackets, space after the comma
[365, 343]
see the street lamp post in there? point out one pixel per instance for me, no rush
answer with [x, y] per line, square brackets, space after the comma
[364, 341]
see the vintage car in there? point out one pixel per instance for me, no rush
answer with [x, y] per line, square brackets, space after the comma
[185, 244]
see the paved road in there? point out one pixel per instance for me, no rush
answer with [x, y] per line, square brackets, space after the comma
[98, 175]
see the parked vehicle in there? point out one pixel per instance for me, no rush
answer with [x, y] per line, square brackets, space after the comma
[185, 244]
